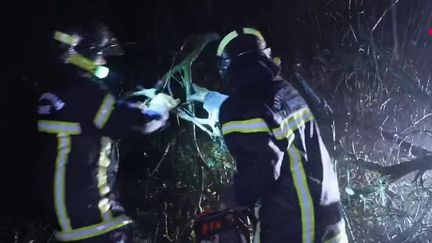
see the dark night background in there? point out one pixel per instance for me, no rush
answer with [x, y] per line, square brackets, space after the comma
[313, 36]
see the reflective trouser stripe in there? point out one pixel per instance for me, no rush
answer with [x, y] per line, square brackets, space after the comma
[289, 125]
[303, 194]
[104, 204]
[63, 150]
[104, 111]
[63, 130]
[93, 230]
[257, 235]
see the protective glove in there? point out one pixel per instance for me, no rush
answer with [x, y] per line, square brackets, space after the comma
[149, 93]
[200, 93]
[158, 108]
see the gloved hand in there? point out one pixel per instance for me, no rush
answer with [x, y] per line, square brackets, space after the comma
[200, 93]
[149, 93]
[158, 110]
[163, 101]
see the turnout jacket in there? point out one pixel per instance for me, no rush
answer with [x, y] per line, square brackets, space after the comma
[76, 125]
[282, 163]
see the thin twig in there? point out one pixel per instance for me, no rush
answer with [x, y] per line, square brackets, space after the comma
[167, 149]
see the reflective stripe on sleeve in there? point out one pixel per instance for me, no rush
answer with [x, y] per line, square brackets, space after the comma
[289, 125]
[245, 126]
[104, 111]
[56, 127]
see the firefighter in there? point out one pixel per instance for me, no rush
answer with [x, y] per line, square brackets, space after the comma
[284, 170]
[78, 117]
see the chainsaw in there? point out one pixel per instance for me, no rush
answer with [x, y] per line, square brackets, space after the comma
[226, 226]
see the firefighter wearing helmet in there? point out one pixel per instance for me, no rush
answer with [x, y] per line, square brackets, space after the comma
[78, 117]
[284, 170]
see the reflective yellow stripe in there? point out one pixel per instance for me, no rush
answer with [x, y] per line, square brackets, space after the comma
[82, 62]
[93, 230]
[66, 38]
[245, 126]
[104, 206]
[232, 35]
[225, 41]
[254, 32]
[102, 179]
[63, 131]
[303, 194]
[56, 127]
[257, 234]
[104, 111]
[63, 150]
[289, 125]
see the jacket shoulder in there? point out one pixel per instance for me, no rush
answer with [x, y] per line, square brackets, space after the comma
[286, 98]
[79, 103]
[238, 109]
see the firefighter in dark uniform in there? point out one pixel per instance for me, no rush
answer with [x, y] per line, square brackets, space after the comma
[283, 168]
[78, 116]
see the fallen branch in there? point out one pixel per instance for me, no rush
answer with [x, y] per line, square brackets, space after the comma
[399, 170]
